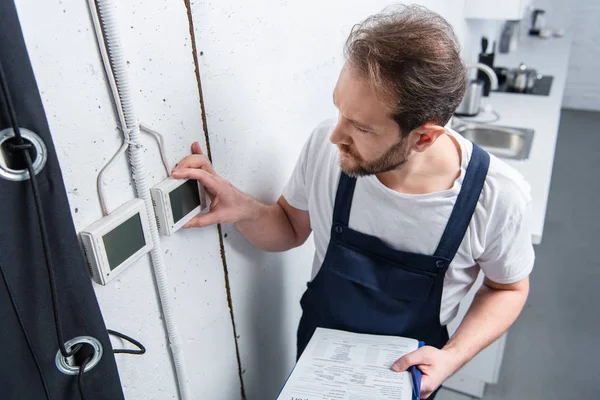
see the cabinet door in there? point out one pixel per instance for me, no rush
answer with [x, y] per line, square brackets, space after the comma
[495, 9]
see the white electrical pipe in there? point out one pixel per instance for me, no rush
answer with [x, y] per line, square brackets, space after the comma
[112, 50]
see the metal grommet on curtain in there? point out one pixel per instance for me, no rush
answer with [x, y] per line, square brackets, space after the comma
[68, 365]
[12, 164]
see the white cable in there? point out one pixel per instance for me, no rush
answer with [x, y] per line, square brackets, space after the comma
[161, 146]
[476, 121]
[100, 179]
[121, 89]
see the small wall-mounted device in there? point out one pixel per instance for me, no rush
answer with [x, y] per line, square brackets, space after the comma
[176, 202]
[116, 241]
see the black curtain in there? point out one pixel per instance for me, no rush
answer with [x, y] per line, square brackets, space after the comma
[28, 338]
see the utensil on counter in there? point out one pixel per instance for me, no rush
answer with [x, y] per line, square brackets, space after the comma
[471, 102]
[538, 22]
[509, 37]
[487, 59]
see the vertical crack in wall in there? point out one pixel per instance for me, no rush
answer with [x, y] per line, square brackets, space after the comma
[220, 231]
[197, 69]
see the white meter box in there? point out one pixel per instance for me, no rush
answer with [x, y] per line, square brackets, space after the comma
[176, 202]
[116, 241]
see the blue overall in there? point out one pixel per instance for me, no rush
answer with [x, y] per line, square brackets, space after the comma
[365, 286]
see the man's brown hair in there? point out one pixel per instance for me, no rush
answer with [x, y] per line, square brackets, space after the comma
[411, 56]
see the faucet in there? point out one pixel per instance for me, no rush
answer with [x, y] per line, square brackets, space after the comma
[488, 71]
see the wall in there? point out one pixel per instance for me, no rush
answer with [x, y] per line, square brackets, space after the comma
[268, 71]
[70, 76]
[580, 19]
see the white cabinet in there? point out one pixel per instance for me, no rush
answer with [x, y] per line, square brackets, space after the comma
[496, 9]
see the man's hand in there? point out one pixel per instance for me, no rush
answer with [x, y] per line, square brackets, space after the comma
[271, 227]
[228, 204]
[493, 310]
[436, 365]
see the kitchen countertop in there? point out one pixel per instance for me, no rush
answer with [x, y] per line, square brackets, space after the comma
[540, 113]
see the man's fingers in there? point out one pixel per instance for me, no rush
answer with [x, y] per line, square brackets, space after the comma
[210, 218]
[196, 161]
[417, 357]
[207, 180]
[196, 149]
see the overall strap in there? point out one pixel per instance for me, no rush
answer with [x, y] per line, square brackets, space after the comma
[343, 199]
[465, 204]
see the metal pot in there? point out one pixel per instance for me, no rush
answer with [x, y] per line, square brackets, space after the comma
[521, 79]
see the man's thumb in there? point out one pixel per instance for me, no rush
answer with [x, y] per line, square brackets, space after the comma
[404, 362]
[210, 218]
[196, 149]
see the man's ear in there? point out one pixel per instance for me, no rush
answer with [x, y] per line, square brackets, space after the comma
[426, 135]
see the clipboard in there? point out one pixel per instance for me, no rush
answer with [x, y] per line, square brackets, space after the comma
[416, 375]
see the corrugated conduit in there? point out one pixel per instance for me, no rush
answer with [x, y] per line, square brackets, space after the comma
[110, 46]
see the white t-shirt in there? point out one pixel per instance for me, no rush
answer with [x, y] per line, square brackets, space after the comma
[498, 239]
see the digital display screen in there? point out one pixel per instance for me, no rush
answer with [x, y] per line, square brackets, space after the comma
[124, 241]
[184, 199]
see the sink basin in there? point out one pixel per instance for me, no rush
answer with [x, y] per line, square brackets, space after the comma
[502, 141]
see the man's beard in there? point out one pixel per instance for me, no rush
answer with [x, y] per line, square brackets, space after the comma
[393, 158]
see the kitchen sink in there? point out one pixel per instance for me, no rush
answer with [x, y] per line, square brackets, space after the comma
[502, 141]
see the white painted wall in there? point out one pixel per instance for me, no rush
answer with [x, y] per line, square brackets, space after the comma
[580, 19]
[268, 71]
[64, 55]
